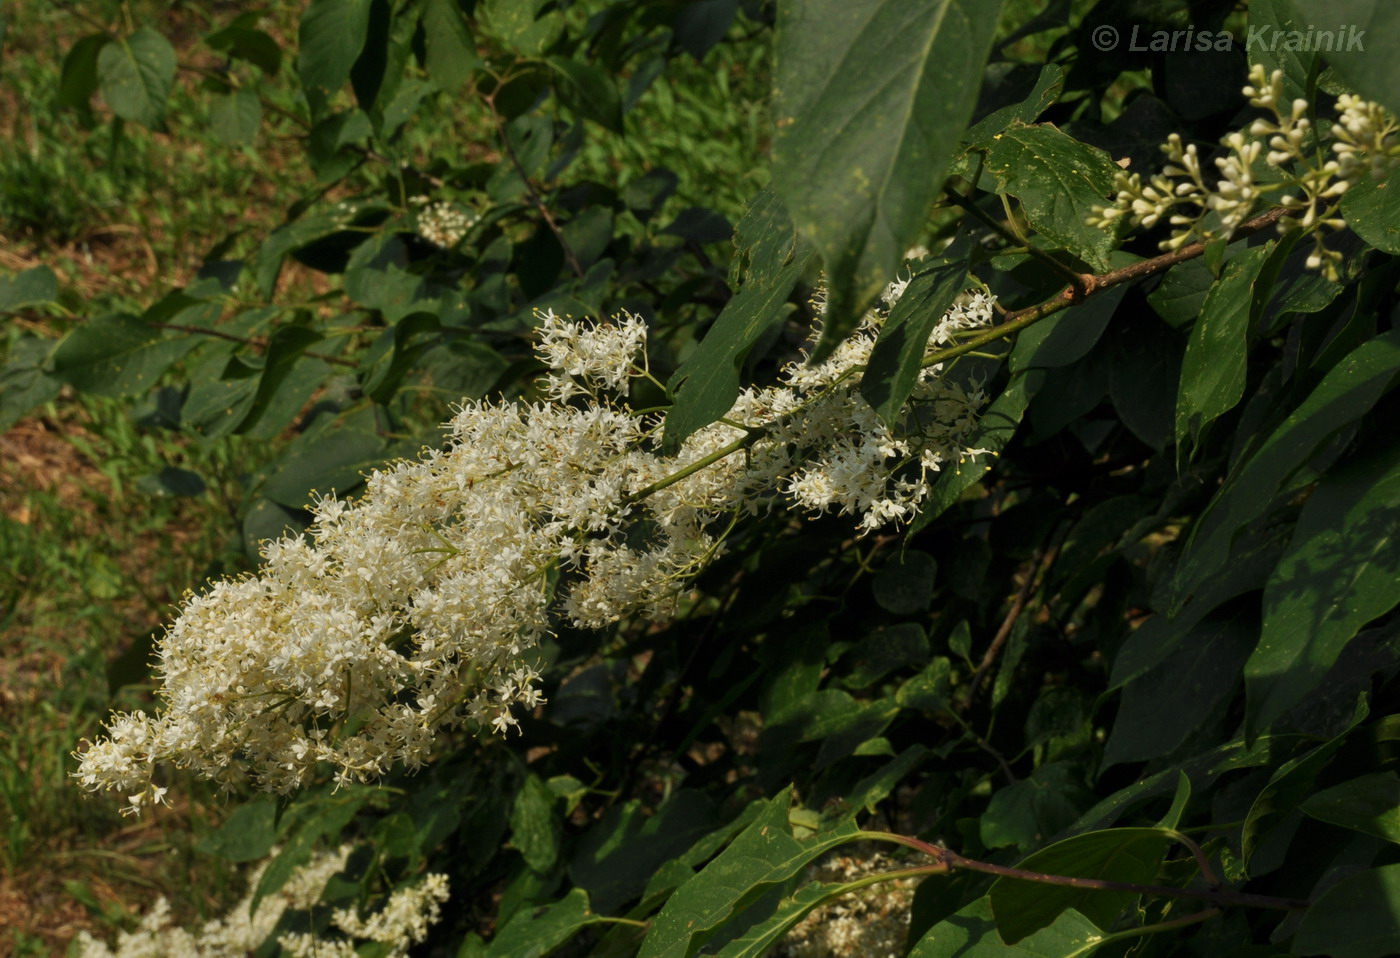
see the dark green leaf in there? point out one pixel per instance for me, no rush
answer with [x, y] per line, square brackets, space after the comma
[534, 932]
[1339, 573]
[1372, 209]
[1195, 679]
[235, 117]
[1034, 809]
[1369, 804]
[904, 585]
[1213, 371]
[78, 80]
[1287, 786]
[116, 355]
[1058, 180]
[288, 380]
[450, 50]
[330, 461]
[534, 826]
[707, 383]
[520, 26]
[972, 933]
[864, 140]
[136, 74]
[898, 356]
[35, 285]
[764, 854]
[588, 91]
[1116, 854]
[247, 43]
[247, 835]
[23, 382]
[332, 34]
[1359, 917]
[1366, 45]
[1279, 466]
[886, 649]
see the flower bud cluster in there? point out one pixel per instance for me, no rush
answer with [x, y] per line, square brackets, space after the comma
[1296, 171]
[442, 223]
[414, 609]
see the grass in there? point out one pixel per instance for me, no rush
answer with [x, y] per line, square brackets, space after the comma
[91, 561]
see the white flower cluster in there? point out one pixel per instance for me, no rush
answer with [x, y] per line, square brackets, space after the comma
[414, 608]
[442, 223]
[872, 921]
[401, 922]
[1304, 179]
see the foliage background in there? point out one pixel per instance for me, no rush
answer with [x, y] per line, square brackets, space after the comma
[1166, 608]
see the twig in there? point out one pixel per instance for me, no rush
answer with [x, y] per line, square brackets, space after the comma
[1033, 575]
[256, 342]
[1091, 283]
[535, 198]
[1216, 896]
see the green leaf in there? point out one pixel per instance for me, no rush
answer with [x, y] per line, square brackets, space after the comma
[1213, 371]
[116, 355]
[78, 79]
[534, 826]
[247, 835]
[1371, 208]
[332, 34]
[1287, 786]
[886, 649]
[519, 25]
[1369, 804]
[36, 285]
[246, 43]
[972, 933]
[1359, 917]
[614, 860]
[1116, 854]
[1034, 809]
[588, 91]
[1271, 21]
[707, 383]
[764, 854]
[1058, 180]
[332, 460]
[136, 74]
[897, 358]
[1368, 41]
[995, 427]
[1190, 683]
[1279, 466]
[864, 140]
[1049, 85]
[322, 816]
[23, 382]
[449, 49]
[534, 932]
[904, 585]
[235, 117]
[1339, 573]
[288, 379]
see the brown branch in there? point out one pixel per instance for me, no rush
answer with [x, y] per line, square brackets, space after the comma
[1216, 896]
[1090, 283]
[535, 199]
[256, 342]
[1033, 575]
